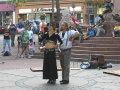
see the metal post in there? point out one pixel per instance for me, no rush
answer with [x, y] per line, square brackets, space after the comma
[2, 19]
[73, 6]
[58, 10]
[52, 10]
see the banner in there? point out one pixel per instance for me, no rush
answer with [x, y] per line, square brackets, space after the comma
[7, 7]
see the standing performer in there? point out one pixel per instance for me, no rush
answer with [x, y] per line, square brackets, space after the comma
[49, 64]
[67, 37]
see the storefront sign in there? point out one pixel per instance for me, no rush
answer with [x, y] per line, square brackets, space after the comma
[50, 9]
[7, 7]
[46, 10]
[43, 10]
[25, 10]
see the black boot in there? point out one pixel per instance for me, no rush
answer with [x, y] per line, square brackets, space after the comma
[64, 82]
[53, 81]
[49, 81]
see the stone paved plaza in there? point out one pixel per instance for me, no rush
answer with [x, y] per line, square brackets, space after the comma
[15, 74]
[24, 79]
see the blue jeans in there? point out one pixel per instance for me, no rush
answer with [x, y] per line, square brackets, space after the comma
[8, 42]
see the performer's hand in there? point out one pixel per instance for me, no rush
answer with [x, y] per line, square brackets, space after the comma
[59, 51]
[41, 48]
[71, 38]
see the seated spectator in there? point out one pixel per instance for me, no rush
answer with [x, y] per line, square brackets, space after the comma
[99, 29]
[78, 28]
[90, 32]
[97, 19]
[117, 30]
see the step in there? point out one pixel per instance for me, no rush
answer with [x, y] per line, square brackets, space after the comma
[97, 45]
[102, 41]
[84, 58]
[96, 48]
[87, 56]
[96, 52]
[104, 38]
[107, 45]
[86, 44]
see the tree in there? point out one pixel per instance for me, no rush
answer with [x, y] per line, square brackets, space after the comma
[17, 2]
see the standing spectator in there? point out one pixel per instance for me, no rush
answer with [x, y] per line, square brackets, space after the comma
[7, 40]
[27, 23]
[31, 43]
[49, 64]
[19, 38]
[67, 37]
[20, 24]
[42, 26]
[25, 41]
[12, 32]
[30, 32]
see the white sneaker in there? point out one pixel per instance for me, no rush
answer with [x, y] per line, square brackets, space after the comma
[29, 56]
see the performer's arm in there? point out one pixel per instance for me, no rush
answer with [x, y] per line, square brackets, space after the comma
[59, 44]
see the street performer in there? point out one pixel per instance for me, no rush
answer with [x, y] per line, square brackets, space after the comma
[49, 63]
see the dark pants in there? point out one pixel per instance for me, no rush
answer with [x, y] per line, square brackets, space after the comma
[117, 33]
[12, 39]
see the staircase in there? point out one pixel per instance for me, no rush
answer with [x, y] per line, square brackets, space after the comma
[107, 46]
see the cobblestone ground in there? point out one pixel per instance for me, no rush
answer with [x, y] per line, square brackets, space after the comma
[15, 74]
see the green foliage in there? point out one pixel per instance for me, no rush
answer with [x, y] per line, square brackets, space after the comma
[17, 2]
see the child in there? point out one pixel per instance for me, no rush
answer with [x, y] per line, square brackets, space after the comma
[31, 47]
[90, 32]
[117, 30]
[25, 41]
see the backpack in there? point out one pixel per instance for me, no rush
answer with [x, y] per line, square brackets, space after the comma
[91, 32]
[95, 61]
[6, 53]
[85, 65]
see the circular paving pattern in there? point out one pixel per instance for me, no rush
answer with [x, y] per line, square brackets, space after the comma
[37, 83]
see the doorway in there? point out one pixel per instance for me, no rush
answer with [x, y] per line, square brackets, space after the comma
[91, 19]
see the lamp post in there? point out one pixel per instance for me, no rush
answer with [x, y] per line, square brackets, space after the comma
[52, 10]
[58, 10]
[73, 6]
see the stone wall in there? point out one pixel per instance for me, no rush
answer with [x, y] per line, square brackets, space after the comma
[116, 8]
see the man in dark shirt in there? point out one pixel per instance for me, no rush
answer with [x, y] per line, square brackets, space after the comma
[12, 32]
[7, 40]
